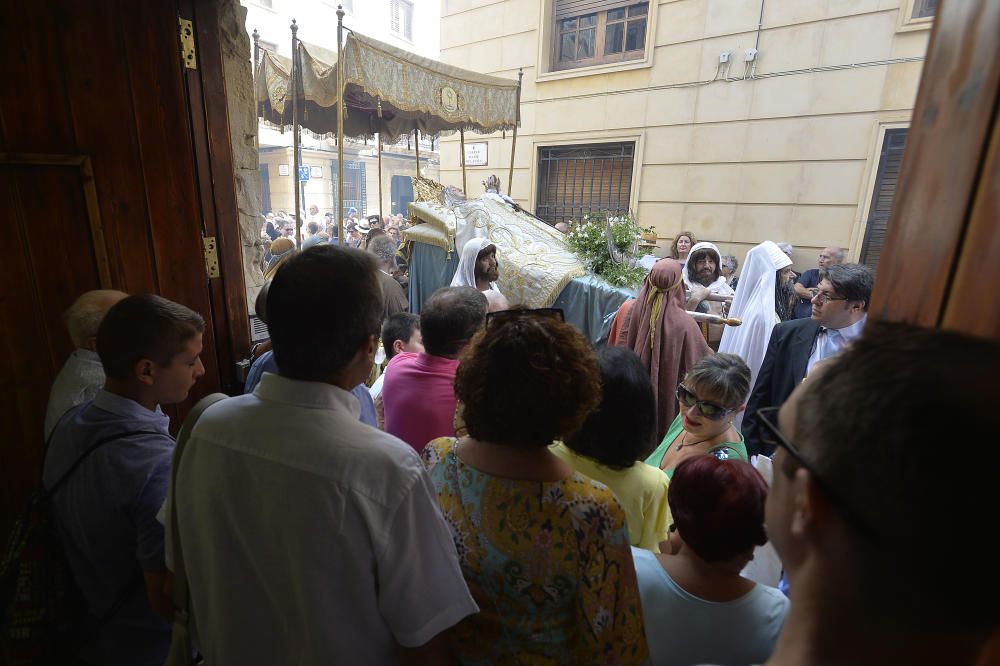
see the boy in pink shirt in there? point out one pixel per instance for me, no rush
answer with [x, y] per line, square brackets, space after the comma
[419, 388]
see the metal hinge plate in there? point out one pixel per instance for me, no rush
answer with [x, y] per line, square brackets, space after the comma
[211, 257]
[187, 43]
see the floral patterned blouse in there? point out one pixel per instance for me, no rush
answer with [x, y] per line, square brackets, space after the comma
[548, 563]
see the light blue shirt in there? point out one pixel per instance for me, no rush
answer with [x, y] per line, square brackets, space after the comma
[682, 629]
[829, 341]
[106, 515]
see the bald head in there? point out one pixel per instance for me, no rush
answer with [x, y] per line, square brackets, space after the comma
[85, 314]
[829, 256]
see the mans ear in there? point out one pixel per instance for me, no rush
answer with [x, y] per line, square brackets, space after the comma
[810, 507]
[145, 371]
[90, 343]
[397, 346]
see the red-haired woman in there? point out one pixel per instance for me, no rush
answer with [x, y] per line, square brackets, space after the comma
[697, 607]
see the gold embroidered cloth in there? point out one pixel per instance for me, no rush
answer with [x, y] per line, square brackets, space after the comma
[413, 92]
[535, 261]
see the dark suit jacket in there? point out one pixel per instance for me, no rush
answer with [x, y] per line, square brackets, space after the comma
[783, 369]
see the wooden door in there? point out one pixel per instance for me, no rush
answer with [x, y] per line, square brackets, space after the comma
[106, 180]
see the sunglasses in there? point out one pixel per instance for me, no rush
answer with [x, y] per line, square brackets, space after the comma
[502, 316]
[772, 439]
[710, 410]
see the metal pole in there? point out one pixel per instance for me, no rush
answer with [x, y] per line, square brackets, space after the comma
[416, 147]
[340, 123]
[381, 219]
[461, 137]
[295, 133]
[513, 142]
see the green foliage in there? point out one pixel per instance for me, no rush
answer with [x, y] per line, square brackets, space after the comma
[588, 239]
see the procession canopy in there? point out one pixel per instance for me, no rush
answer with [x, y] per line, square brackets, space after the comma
[387, 90]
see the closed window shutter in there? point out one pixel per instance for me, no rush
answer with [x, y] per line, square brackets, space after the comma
[568, 8]
[886, 179]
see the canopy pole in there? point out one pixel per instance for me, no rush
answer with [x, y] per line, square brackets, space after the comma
[381, 219]
[340, 124]
[295, 135]
[461, 137]
[416, 147]
[513, 141]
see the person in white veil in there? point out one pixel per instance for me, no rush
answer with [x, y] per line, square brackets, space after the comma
[478, 266]
[754, 304]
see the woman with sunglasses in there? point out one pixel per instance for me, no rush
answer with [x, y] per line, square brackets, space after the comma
[710, 397]
[545, 551]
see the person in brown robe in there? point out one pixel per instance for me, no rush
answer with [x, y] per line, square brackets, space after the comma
[393, 297]
[664, 337]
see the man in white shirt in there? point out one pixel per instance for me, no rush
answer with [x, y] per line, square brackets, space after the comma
[840, 310]
[309, 537]
[82, 375]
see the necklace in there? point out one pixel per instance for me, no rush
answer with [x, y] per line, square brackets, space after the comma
[684, 441]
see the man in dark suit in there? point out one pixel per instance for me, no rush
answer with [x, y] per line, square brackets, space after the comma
[839, 312]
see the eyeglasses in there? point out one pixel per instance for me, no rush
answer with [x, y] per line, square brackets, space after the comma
[822, 298]
[709, 410]
[771, 437]
[502, 316]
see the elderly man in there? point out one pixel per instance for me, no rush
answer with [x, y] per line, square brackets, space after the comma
[839, 313]
[478, 266]
[862, 477]
[703, 277]
[82, 374]
[806, 286]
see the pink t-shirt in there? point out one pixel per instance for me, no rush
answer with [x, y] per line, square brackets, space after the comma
[419, 398]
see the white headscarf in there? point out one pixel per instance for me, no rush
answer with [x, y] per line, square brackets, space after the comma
[720, 286]
[754, 304]
[465, 276]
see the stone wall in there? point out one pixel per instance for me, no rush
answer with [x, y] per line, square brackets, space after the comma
[236, 54]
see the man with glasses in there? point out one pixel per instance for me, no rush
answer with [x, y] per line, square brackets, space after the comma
[880, 507]
[839, 313]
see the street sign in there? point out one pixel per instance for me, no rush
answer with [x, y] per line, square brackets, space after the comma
[303, 174]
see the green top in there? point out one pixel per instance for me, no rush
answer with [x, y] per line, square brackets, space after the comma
[736, 449]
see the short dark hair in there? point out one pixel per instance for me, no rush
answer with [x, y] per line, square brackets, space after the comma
[623, 427]
[449, 319]
[313, 227]
[718, 506]
[323, 304]
[878, 426]
[852, 281]
[399, 326]
[526, 381]
[725, 376]
[144, 326]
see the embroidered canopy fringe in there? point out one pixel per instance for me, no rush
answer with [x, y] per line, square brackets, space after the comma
[412, 91]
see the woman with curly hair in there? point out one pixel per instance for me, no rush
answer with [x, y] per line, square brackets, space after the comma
[545, 550]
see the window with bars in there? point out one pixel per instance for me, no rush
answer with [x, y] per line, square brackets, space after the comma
[574, 180]
[401, 18]
[355, 186]
[594, 32]
[886, 178]
[924, 8]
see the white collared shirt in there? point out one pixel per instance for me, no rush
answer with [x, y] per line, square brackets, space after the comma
[81, 376]
[829, 341]
[308, 536]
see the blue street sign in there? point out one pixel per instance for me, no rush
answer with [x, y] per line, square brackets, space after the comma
[303, 174]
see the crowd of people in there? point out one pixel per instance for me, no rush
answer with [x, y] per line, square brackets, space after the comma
[479, 484]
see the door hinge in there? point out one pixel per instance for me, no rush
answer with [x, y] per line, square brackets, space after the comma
[211, 257]
[188, 54]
